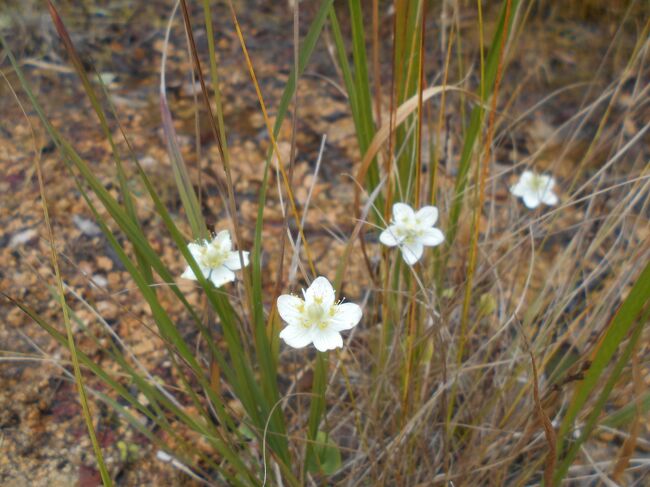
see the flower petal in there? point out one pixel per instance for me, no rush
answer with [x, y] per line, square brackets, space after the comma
[346, 316]
[531, 199]
[526, 177]
[427, 216]
[524, 184]
[550, 198]
[402, 212]
[519, 189]
[233, 263]
[412, 252]
[222, 240]
[547, 182]
[221, 275]
[290, 308]
[320, 291]
[188, 274]
[431, 237]
[327, 339]
[389, 236]
[297, 336]
[196, 250]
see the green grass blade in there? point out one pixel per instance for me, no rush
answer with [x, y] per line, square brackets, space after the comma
[357, 86]
[305, 51]
[181, 175]
[405, 75]
[476, 121]
[119, 388]
[268, 368]
[317, 406]
[68, 341]
[626, 414]
[617, 330]
[101, 116]
[592, 419]
[606, 348]
[166, 327]
[362, 82]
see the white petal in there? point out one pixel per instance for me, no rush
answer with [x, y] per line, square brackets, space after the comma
[290, 308]
[233, 263]
[518, 189]
[526, 177]
[346, 316]
[296, 336]
[531, 200]
[402, 212]
[327, 339]
[546, 182]
[432, 237]
[389, 236]
[211, 254]
[221, 276]
[188, 274]
[196, 250]
[412, 252]
[427, 216]
[320, 290]
[222, 240]
[550, 198]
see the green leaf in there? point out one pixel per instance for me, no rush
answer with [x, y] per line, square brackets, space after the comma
[327, 456]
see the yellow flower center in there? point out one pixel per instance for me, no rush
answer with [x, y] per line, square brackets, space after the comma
[316, 315]
[212, 257]
[538, 184]
[408, 232]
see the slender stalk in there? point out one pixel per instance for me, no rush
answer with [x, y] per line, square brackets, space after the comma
[269, 126]
[85, 408]
[478, 211]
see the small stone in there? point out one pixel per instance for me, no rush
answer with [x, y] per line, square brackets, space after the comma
[104, 263]
[113, 279]
[148, 162]
[22, 238]
[15, 317]
[99, 280]
[108, 310]
[87, 227]
[606, 436]
[163, 457]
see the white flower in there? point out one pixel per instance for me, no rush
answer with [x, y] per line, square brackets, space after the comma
[411, 231]
[535, 189]
[317, 318]
[216, 259]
